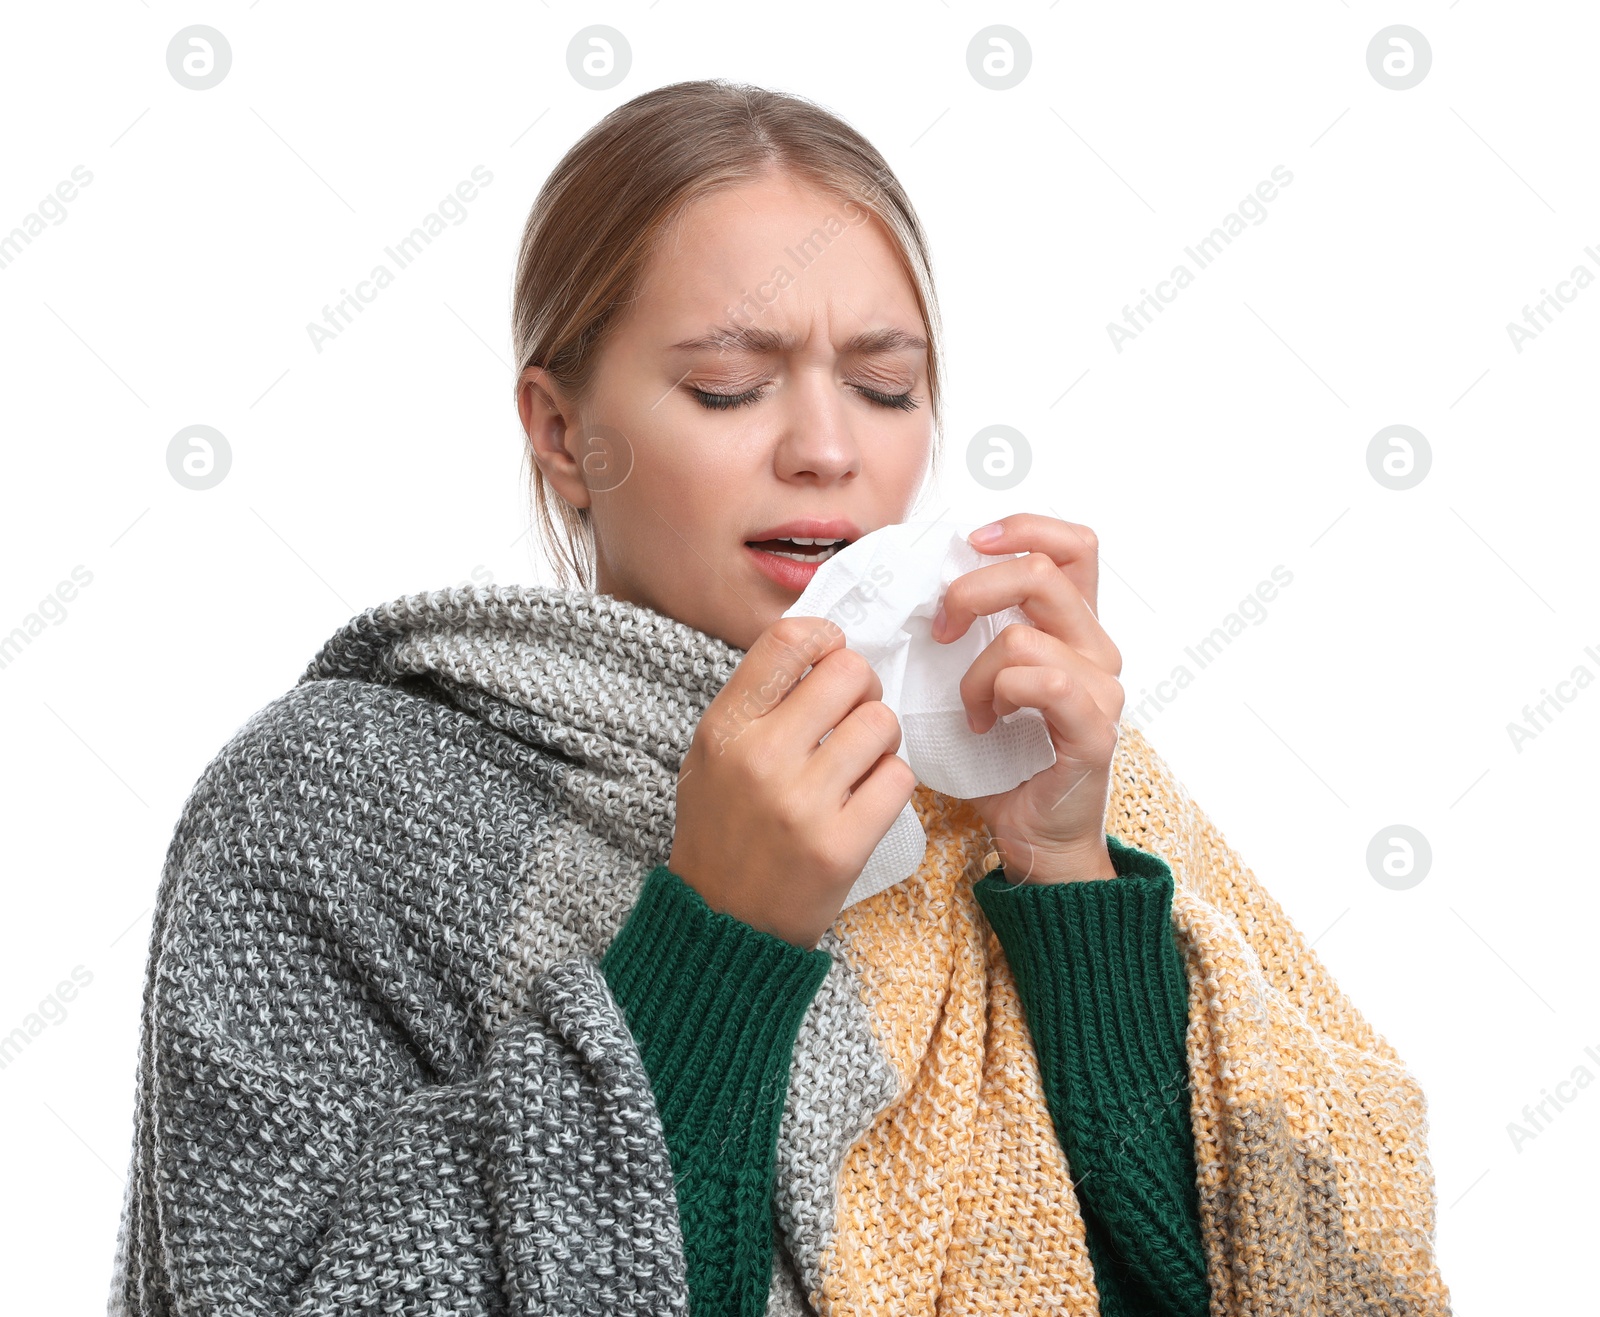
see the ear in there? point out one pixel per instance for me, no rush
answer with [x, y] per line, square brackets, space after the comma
[550, 421]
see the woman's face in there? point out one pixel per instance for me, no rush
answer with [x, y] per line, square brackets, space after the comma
[770, 381]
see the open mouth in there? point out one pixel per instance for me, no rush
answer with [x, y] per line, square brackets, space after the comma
[799, 549]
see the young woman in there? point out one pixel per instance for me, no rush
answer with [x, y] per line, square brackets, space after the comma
[500, 966]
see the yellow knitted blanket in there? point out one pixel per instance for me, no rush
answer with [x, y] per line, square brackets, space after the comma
[1316, 1193]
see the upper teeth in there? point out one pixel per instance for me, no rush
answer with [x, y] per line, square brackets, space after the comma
[832, 548]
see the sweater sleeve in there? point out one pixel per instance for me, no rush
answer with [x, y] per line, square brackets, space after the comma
[715, 1006]
[1104, 990]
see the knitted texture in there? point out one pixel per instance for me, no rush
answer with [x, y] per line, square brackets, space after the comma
[715, 1005]
[1102, 985]
[381, 1067]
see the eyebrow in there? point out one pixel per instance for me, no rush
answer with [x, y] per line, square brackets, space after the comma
[768, 342]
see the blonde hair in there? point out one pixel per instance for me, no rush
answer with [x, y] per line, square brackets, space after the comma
[619, 190]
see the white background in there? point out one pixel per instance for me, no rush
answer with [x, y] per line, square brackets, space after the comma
[1229, 438]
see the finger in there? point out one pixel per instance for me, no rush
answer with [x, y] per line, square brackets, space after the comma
[1073, 548]
[1048, 597]
[839, 683]
[864, 735]
[1025, 669]
[1076, 716]
[879, 797]
[773, 667]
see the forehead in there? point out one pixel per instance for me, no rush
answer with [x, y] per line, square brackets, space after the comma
[778, 252]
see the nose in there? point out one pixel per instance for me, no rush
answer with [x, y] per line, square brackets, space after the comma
[818, 442]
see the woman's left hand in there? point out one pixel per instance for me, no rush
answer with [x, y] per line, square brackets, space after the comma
[1050, 828]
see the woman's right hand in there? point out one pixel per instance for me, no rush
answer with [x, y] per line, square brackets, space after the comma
[772, 827]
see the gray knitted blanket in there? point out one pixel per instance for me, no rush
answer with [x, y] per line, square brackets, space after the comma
[379, 1068]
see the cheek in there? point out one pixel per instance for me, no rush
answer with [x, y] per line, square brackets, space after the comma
[665, 474]
[696, 476]
[668, 506]
[896, 467]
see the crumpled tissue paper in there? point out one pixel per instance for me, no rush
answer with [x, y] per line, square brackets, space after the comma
[883, 592]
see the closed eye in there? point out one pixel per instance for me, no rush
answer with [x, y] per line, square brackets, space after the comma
[721, 402]
[903, 402]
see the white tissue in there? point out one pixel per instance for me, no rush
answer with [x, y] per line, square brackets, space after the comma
[883, 591]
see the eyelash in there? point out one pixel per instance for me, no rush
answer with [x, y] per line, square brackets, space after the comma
[721, 402]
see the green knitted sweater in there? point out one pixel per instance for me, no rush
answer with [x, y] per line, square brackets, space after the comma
[715, 1006]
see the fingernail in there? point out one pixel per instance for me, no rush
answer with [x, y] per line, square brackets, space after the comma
[938, 622]
[972, 723]
[985, 534]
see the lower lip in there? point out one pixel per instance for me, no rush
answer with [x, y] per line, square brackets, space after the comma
[788, 573]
